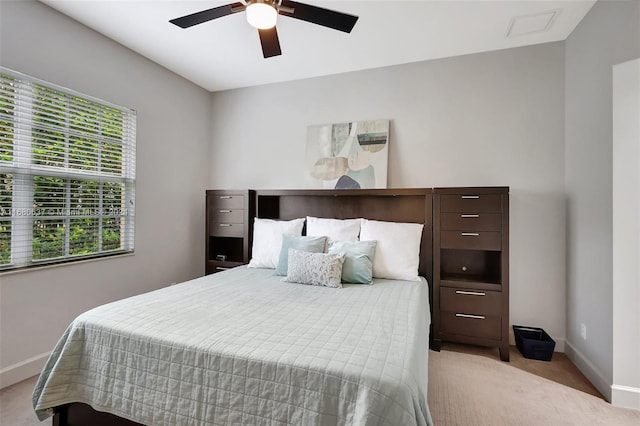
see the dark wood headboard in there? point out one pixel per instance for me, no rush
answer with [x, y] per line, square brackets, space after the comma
[392, 205]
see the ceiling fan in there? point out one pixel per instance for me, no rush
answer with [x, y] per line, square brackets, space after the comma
[262, 14]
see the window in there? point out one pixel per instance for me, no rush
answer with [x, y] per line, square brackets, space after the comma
[67, 174]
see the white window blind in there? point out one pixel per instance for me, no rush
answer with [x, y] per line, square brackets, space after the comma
[67, 174]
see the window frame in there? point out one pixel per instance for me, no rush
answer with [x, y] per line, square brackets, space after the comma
[23, 172]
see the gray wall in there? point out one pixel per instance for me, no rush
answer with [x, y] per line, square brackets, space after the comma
[488, 119]
[173, 135]
[609, 34]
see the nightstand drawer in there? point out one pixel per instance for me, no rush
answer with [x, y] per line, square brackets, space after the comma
[226, 216]
[226, 202]
[214, 266]
[471, 221]
[472, 203]
[471, 325]
[226, 229]
[471, 240]
[479, 302]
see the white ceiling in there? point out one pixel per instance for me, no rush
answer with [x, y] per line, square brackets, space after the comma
[226, 53]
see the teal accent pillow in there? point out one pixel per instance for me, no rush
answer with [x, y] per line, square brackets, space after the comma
[308, 244]
[358, 262]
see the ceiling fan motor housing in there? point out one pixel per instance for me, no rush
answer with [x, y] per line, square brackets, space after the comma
[273, 3]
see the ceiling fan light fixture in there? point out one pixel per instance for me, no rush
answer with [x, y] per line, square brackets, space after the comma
[261, 15]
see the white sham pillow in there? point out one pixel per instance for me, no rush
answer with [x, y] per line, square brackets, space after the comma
[397, 250]
[267, 240]
[334, 229]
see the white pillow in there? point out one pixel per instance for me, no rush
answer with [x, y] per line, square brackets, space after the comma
[267, 240]
[398, 248]
[334, 229]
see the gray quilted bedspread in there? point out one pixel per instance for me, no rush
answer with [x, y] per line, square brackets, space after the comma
[242, 347]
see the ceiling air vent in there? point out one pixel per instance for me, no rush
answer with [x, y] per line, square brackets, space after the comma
[531, 24]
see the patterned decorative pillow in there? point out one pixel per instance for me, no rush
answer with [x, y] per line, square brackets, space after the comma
[314, 268]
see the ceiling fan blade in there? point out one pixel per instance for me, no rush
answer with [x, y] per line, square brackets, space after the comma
[318, 15]
[207, 15]
[270, 42]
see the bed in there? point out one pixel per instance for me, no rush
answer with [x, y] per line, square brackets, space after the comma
[243, 347]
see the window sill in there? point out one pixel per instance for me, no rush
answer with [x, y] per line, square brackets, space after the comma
[63, 263]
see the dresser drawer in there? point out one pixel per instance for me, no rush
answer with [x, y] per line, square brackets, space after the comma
[226, 216]
[479, 302]
[226, 202]
[471, 221]
[226, 229]
[471, 203]
[214, 266]
[482, 326]
[471, 240]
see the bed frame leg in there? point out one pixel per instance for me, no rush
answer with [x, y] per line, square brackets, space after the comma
[60, 417]
[435, 345]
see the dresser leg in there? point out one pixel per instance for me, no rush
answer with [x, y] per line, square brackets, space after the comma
[504, 353]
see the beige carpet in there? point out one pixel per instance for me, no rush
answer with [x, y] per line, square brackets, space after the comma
[464, 390]
[467, 389]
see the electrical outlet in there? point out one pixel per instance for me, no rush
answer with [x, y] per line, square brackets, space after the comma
[583, 331]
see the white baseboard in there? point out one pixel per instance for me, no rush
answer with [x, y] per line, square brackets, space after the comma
[625, 396]
[559, 344]
[589, 370]
[22, 370]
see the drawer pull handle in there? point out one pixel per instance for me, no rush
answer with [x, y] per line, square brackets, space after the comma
[225, 197]
[471, 293]
[469, 197]
[469, 216]
[224, 211]
[221, 268]
[470, 316]
[469, 234]
[224, 224]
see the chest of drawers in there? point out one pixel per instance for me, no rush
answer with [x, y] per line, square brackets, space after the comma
[228, 215]
[471, 267]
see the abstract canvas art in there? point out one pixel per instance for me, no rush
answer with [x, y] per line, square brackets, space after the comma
[348, 155]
